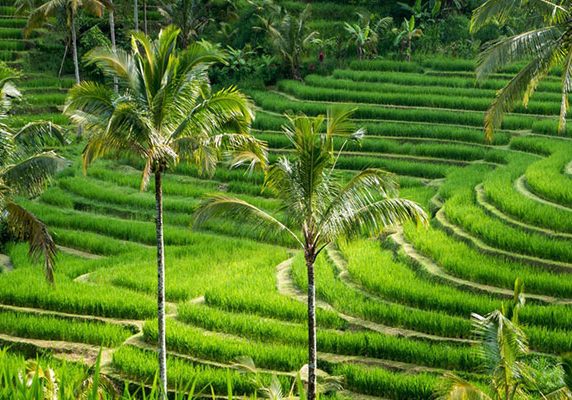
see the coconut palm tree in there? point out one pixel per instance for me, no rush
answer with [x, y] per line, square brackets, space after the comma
[25, 169]
[503, 350]
[318, 205]
[165, 113]
[70, 8]
[543, 48]
[290, 37]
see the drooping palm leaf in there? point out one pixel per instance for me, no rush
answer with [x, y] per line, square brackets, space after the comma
[26, 226]
[30, 176]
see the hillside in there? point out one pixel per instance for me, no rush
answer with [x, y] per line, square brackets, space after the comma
[394, 312]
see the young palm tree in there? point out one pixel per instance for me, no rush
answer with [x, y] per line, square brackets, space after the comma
[290, 37]
[165, 113]
[503, 349]
[40, 15]
[317, 203]
[25, 169]
[543, 48]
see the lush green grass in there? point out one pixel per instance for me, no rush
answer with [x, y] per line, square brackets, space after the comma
[412, 98]
[380, 273]
[141, 365]
[358, 343]
[54, 328]
[547, 178]
[277, 102]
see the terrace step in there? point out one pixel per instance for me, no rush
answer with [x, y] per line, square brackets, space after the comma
[495, 212]
[457, 231]
[402, 107]
[135, 325]
[67, 351]
[286, 287]
[79, 253]
[430, 267]
[522, 187]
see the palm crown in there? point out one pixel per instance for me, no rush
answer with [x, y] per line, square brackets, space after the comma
[166, 111]
[25, 169]
[543, 48]
[311, 193]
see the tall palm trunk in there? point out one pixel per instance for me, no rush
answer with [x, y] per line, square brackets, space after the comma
[113, 44]
[74, 46]
[136, 15]
[145, 16]
[75, 58]
[161, 286]
[312, 345]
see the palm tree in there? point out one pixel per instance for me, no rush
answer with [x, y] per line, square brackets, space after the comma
[317, 203]
[503, 350]
[290, 37]
[406, 34]
[40, 15]
[25, 169]
[543, 48]
[167, 113]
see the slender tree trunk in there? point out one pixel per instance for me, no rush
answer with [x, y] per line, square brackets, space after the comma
[113, 44]
[75, 58]
[74, 47]
[161, 287]
[145, 16]
[136, 15]
[312, 345]
[63, 60]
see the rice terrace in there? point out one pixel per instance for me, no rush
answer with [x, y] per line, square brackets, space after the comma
[285, 199]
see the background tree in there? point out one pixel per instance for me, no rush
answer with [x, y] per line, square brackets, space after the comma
[25, 170]
[70, 9]
[290, 37]
[364, 35]
[543, 48]
[405, 36]
[167, 113]
[318, 205]
[190, 16]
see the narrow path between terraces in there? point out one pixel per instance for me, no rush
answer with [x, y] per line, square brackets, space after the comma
[430, 267]
[521, 187]
[286, 287]
[460, 233]
[492, 210]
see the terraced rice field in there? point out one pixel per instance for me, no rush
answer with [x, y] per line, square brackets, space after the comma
[393, 313]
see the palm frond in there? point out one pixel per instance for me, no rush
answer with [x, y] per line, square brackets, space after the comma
[30, 176]
[238, 210]
[499, 11]
[370, 217]
[521, 86]
[38, 134]
[26, 226]
[530, 44]
[452, 387]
